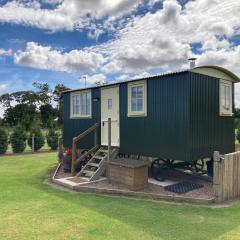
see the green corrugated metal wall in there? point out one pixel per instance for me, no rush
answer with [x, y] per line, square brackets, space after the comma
[208, 130]
[182, 120]
[73, 127]
[164, 132]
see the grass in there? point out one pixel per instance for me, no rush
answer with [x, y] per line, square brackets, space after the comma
[31, 210]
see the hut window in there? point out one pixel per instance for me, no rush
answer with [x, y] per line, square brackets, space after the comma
[225, 98]
[81, 104]
[137, 99]
[109, 104]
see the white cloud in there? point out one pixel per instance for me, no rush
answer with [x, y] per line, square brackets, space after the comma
[111, 67]
[122, 77]
[161, 40]
[3, 87]
[153, 2]
[101, 8]
[164, 39]
[67, 15]
[53, 2]
[4, 52]
[125, 77]
[228, 58]
[33, 15]
[45, 57]
[215, 44]
[96, 79]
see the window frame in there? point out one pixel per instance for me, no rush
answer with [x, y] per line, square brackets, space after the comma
[142, 113]
[80, 116]
[222, 110]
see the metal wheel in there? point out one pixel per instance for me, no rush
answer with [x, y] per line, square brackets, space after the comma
[159, 169]
[198, 166]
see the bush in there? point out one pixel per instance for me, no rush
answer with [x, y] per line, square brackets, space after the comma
[238, 134]
[52, 139]
[3, 141]
[18, 139]
[38, 139]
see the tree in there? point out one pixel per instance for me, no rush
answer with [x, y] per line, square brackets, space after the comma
[3, 141]
[47, 114]
[237, 113]
[57, 96]
[6, 100]
[23, 114]
[26, 97]
[18, 139]
[52, 136]
[38, 138]
[1, 122]
[24, 106]
[43, 92]
[238, 133]
[57, 92]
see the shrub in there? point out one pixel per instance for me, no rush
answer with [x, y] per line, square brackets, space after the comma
[238, 134]
[18, 139]
[52, 139]
[236, 123]
[38, 139]
[3, 141]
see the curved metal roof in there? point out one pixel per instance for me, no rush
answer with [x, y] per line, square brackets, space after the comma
[221, 69]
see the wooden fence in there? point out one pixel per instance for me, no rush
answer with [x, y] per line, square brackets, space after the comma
[226, 178]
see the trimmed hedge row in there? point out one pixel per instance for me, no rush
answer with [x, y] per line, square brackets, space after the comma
[19, 139]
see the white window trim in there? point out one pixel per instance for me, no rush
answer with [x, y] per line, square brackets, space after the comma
[222, 111]
[139, 113]
[71, 105]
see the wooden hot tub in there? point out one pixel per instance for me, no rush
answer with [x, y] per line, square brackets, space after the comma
[129, 172]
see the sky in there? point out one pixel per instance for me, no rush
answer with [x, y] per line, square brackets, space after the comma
[64, 41]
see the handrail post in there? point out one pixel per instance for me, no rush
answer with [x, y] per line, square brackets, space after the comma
[77, 139]
[33, 143]
[109, 138]
[60, 150]
[73, 157]
[216, 176]
[95, 137]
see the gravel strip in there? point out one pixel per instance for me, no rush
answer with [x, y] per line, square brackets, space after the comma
[205, 192]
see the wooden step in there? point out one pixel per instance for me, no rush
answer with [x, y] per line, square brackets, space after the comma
[93, 164]
[103, 150]
[87, 173]
[99, 157]
[96, 165]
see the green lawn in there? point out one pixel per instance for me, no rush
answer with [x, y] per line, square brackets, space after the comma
[31, 210]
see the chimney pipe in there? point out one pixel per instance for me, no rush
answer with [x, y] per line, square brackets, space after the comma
[192, 62]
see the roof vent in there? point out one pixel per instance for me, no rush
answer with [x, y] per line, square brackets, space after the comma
[192, 62]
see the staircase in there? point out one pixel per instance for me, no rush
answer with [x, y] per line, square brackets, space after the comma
[97, 165]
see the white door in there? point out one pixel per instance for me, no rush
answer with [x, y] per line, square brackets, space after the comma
[110, 109]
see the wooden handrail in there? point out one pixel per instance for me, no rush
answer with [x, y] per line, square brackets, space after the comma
[77, 139]
[86, 154]
[89, 130]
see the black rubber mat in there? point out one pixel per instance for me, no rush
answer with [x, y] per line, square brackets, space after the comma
[183, 187]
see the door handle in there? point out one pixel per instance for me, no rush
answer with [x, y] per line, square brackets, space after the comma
[103, 124]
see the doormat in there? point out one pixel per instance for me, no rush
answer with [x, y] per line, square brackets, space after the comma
[183, 187]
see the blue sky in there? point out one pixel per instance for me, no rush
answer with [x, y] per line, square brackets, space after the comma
[58, 41]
